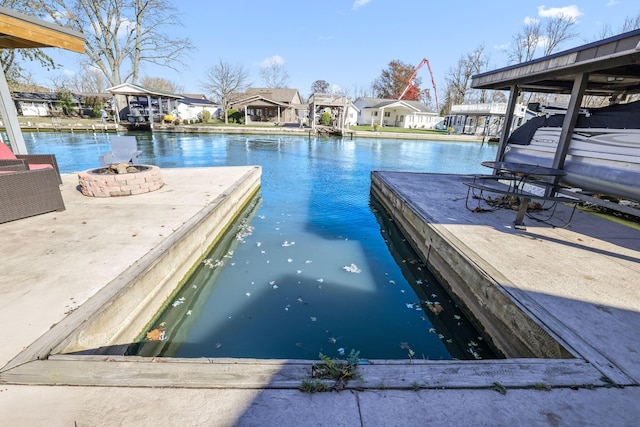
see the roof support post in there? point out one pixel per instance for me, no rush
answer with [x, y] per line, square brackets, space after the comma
[579, 85]
[10, 117]
[508, 118]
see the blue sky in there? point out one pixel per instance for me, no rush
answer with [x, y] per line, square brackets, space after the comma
[349, 42]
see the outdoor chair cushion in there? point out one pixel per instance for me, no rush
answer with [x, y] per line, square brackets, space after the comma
[32, 161]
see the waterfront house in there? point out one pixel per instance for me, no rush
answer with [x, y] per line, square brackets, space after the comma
[191, 107]
[396, 113]
[485, 118]
[275, 105]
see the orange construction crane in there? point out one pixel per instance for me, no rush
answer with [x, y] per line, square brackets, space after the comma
[433, 82]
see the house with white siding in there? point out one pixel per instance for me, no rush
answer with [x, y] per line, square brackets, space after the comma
[396, 113]
[191, 107]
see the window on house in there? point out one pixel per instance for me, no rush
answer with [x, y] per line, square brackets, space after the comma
[387, 114]
[375, 113]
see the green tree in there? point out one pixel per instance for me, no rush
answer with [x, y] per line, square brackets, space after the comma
[65, 101]
[325, 118]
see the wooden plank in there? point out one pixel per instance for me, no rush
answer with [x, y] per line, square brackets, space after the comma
[242, 373]
[23, 34]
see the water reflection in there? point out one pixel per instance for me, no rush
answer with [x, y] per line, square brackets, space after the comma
[285, 293]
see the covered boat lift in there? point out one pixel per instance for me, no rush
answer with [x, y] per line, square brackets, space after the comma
[609, 67]
[143, 106]
[19, 31]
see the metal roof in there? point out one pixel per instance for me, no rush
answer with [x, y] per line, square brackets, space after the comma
[612, 64]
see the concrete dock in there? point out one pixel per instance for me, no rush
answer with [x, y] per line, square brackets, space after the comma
[67, 274]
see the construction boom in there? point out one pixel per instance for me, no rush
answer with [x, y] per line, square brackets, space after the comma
[433, 83]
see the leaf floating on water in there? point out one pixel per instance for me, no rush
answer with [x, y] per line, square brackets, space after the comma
[298, 271]
[178, 302]
[156, 334]
[341, 351]
[258, 244]
[218, 345]
[273, 282]
[404, 345]
[287, 244]
[436, 308]
[455, 316]
[332, 340]
[393, 282]
[351, 268]
[289, 260]
[313, 318]
[409, 305]
[432, 330]
[300, 300]
[275, 286]
[189, 313]
[308, 261]
[418, 282]
[321, 280]
[248, 294]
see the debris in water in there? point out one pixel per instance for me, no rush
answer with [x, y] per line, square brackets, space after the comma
[352, 268]
[156, 334]
[178, 302]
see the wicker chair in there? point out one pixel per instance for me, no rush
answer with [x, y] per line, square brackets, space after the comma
[33, 161]
[25, 192]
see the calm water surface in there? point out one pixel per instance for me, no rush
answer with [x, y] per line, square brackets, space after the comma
[314, 266]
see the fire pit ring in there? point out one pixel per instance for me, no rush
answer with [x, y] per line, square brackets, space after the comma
[99, 183]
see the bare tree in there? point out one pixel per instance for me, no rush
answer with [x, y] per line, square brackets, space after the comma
[223, 81]
[162, 84]
[274, 74]
[320, 86]
[525, 44]
[90, 80]
[122, 35]
[631, 23]
[459, 77]
[362, 91]
[558, 30]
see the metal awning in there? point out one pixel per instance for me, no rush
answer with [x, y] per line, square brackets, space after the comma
[21, 31]
[612, 66]
[608, 67]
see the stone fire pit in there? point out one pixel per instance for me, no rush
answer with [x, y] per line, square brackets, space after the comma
[120, 180]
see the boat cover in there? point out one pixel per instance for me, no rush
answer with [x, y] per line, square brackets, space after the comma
[617, 116]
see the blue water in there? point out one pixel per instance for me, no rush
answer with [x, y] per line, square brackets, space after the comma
[318, 267]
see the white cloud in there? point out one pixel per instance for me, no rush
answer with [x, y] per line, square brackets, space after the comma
[612, 2]
[359, 3]
[531, 21]
[571, 11]
[272, 60]
[68, 73]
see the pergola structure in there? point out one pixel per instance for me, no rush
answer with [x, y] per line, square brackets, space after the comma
[609, 67]
[19, 31]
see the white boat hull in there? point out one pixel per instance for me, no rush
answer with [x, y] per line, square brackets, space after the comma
[599, 160]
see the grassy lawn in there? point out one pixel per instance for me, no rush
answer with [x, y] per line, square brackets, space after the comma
[392, 129]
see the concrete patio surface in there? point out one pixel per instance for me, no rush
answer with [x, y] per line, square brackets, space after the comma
[581, 283]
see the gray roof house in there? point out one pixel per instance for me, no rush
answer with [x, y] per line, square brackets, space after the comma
[276, 105]
[191, 107]
[396, 113]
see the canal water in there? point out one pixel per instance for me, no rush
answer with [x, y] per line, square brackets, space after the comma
[314, 265]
